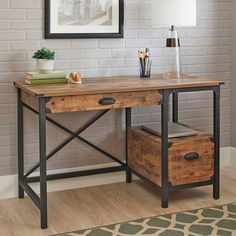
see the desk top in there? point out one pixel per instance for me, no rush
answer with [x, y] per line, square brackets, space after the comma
[115, 85]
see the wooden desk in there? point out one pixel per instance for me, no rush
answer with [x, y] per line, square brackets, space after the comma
[104, 94]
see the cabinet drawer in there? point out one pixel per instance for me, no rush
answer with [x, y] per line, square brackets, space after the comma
[103, 101]
[191, 159]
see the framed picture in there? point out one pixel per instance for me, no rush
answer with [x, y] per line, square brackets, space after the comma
[67, 19]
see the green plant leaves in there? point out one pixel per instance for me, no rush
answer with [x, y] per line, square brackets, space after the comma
[44, 53]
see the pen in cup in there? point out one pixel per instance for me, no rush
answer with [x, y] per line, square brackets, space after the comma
[145, 63]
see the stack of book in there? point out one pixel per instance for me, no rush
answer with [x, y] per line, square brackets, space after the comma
[55, 77]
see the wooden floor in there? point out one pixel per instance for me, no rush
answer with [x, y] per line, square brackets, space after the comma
[107, 204]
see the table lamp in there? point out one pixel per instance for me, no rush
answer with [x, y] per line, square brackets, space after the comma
[172, 13]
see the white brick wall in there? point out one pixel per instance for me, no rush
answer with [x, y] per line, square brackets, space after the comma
[205, 52]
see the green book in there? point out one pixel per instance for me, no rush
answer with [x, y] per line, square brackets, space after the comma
[52, 75]
[46, 81]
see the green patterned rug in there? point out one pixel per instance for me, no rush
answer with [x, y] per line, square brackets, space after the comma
[214, 221]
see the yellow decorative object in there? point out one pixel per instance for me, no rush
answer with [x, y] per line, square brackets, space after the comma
[75, 78]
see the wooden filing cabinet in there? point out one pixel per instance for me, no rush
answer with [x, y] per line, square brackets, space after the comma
[191, 159]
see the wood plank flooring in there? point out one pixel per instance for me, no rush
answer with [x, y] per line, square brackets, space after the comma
[108, 204]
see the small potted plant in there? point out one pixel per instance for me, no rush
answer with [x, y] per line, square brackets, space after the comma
[45, 59]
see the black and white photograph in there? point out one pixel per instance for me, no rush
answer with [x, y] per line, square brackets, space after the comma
[84, 19]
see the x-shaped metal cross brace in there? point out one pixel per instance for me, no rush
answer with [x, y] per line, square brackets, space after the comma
[72, 137]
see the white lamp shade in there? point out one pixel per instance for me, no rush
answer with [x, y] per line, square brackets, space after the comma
[173, 12]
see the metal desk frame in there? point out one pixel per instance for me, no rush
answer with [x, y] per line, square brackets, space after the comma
[41, 200]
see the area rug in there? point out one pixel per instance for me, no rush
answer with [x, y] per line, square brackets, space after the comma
[215, 221]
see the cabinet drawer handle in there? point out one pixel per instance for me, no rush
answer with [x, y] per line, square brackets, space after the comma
[191, 156]
[107, 101]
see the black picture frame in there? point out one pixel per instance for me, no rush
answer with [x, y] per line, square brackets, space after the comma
[49, 35]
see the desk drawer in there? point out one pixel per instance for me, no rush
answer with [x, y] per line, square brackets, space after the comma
[103, 101]
[191, 159]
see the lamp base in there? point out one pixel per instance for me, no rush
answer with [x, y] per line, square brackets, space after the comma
[171, 74]
[172, 57]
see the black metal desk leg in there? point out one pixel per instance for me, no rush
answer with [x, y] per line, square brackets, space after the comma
[43, 163]
[175, 105]
[164, 148]
[127, 125]
[216, 130]
[20, 127]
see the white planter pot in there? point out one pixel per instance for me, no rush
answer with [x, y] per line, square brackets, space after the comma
[45, 66]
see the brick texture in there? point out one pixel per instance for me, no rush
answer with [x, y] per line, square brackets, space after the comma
[205, 52]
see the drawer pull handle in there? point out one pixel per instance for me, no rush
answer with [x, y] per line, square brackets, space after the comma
[107, 101]
[191, 156]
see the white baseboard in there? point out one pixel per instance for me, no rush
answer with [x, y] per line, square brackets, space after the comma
[9, 189]
[225, 156]
[228, 156]
[9, 186]
[233, 156]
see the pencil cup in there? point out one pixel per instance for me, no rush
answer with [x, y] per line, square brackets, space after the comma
[145, 68]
